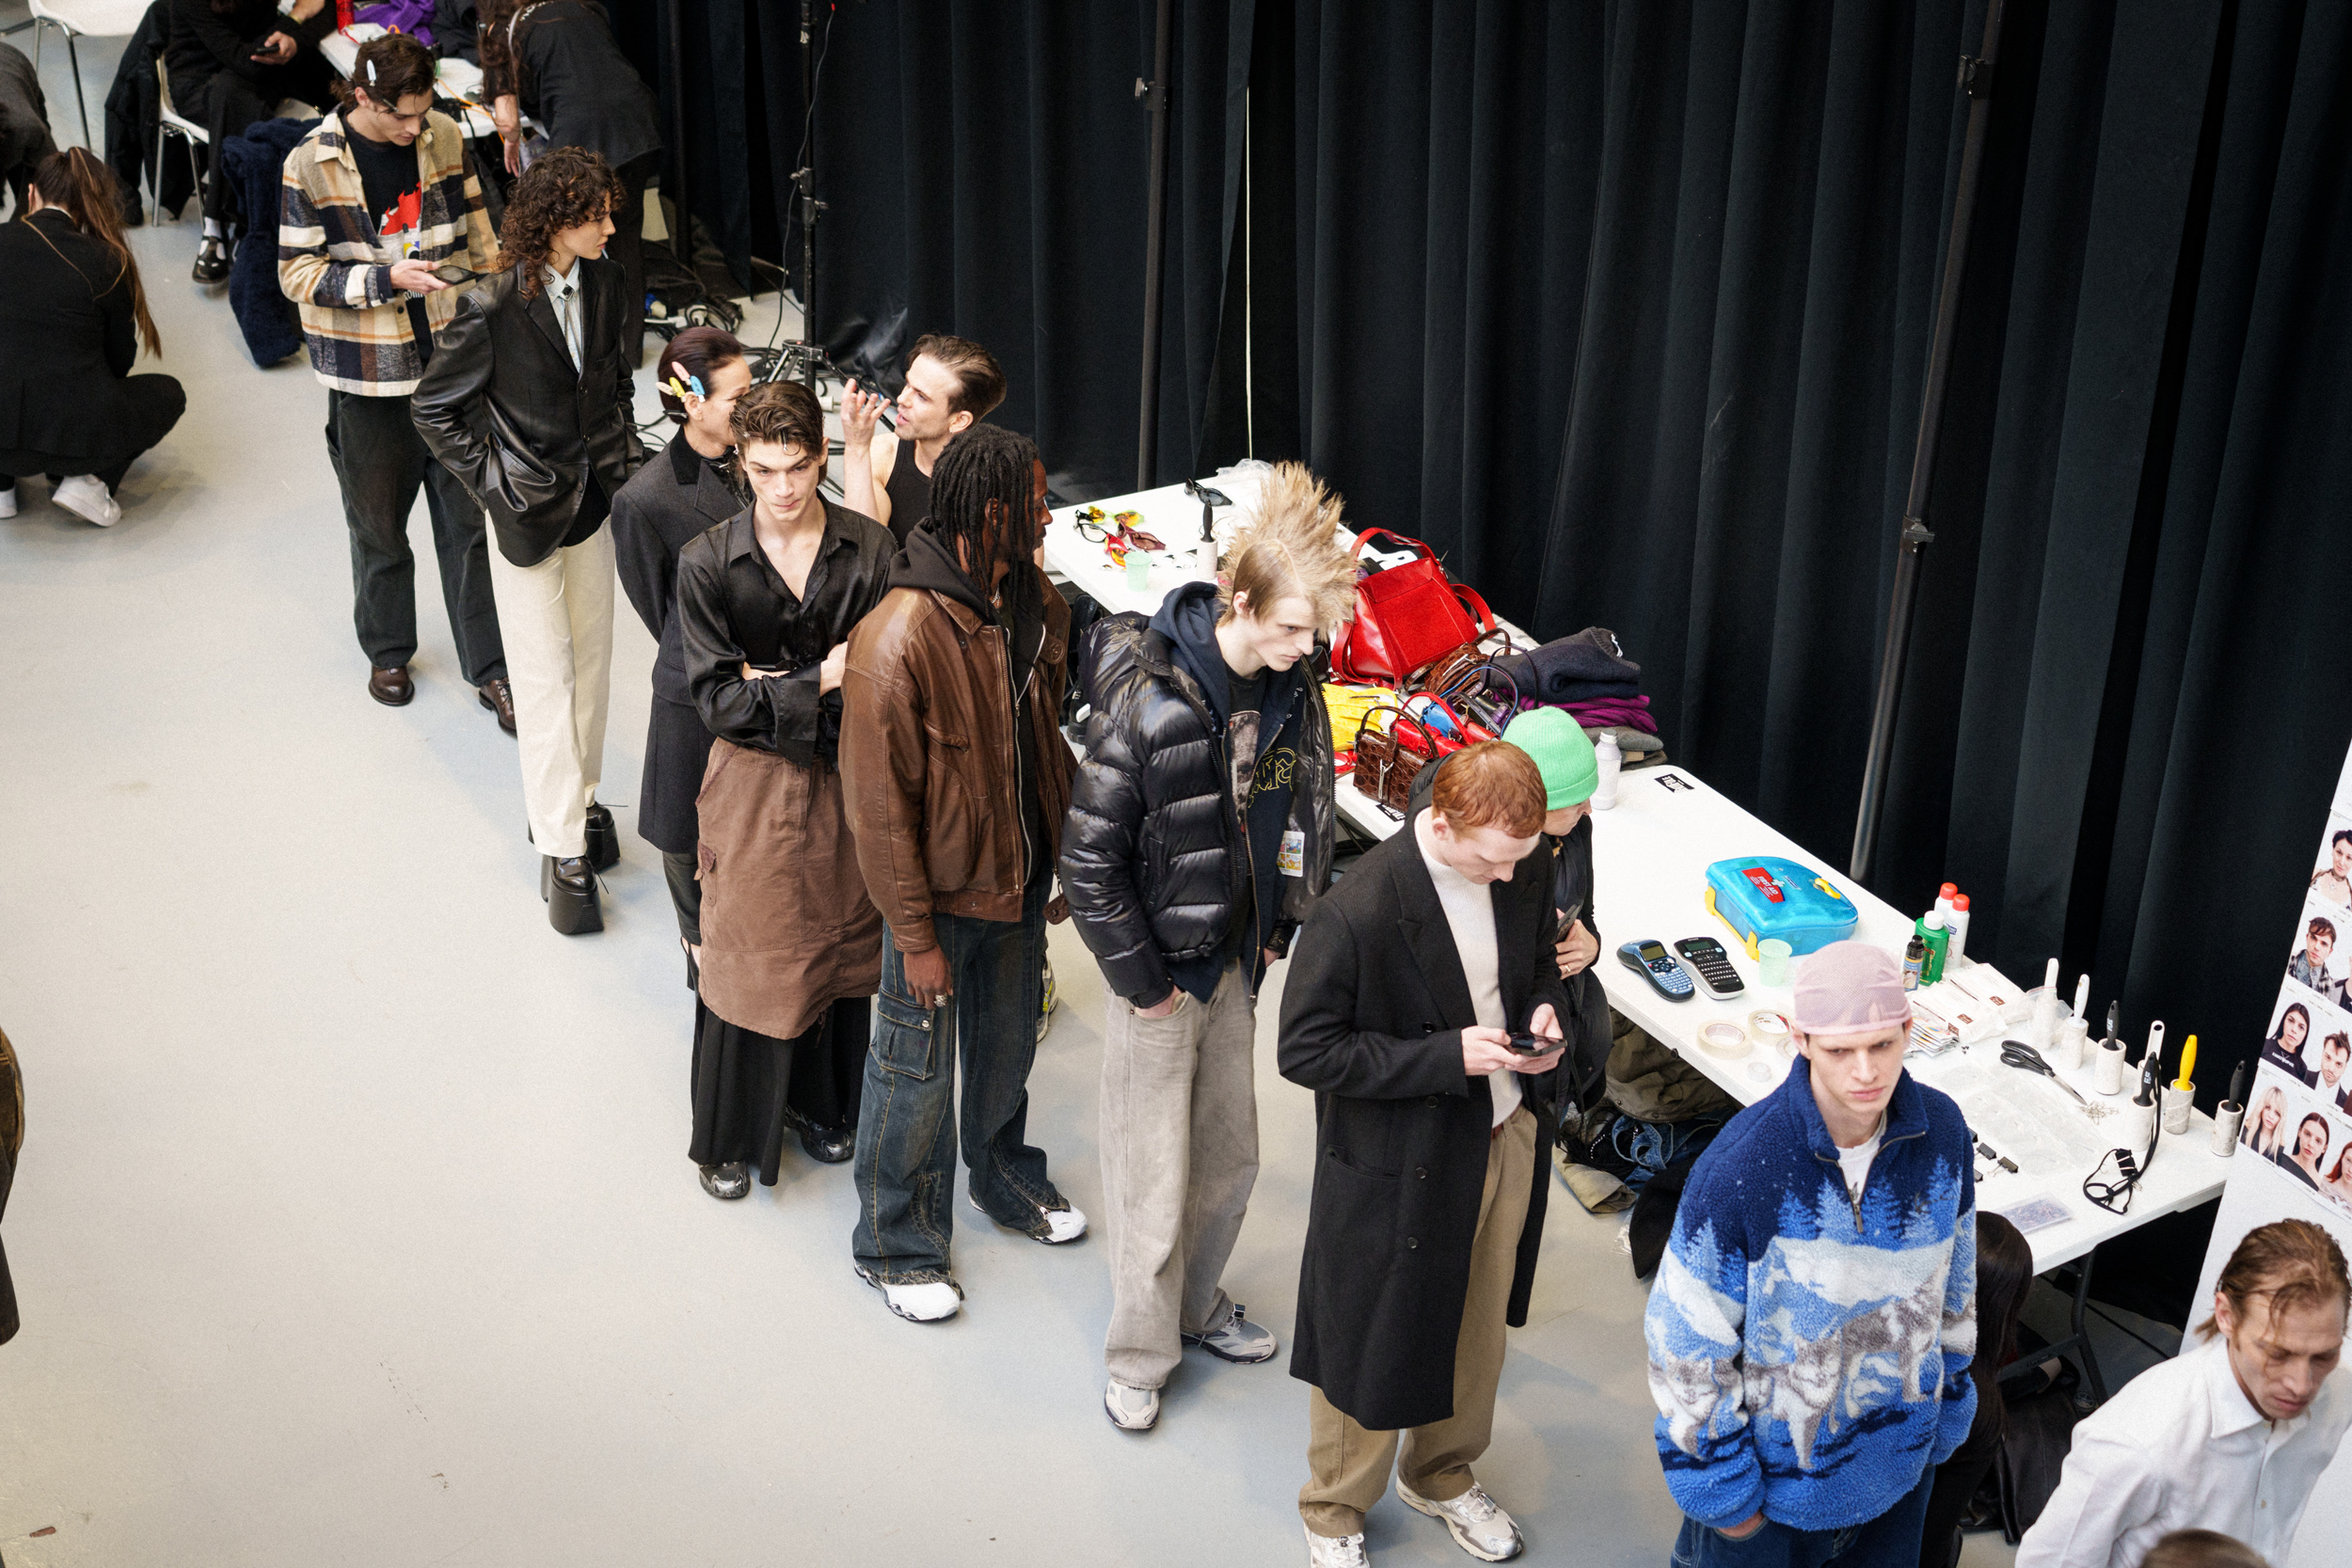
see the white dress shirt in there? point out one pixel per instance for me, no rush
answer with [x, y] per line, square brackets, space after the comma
[1469, 914]
[564, 296]
[2182, 1448]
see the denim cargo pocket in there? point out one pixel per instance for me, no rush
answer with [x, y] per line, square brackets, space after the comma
[903, 1036]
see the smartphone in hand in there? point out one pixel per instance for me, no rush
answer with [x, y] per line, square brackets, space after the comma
[1535, 1045]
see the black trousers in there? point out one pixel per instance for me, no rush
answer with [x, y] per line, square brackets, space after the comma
[156, 403]
[380, 461]
[749, 1088]
[225, 103]
[627, 246]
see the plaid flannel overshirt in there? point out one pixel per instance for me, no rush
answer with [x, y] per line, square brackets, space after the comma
[331, 264]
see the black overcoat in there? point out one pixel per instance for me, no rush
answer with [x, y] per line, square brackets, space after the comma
[1372, 1014]
[503, 408]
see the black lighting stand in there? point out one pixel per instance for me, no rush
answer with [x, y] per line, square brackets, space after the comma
[1154, 248]
[1976, 80]
[808, 354]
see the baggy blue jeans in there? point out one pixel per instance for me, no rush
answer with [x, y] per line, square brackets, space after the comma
[905, 1164]
[1889, 1540]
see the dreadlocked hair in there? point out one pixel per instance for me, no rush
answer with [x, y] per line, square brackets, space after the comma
[562, 189]
[1290, 548]
[990, 466]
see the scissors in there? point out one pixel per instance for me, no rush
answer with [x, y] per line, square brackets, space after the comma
[2018, 1053]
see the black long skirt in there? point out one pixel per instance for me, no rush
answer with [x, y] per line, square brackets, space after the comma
[749, 1087]
[678, 753]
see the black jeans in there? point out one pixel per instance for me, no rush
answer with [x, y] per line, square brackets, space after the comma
[156, 403]
[380, 461]
[225, 103]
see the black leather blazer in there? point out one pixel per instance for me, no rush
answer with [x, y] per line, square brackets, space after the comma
[503, 408]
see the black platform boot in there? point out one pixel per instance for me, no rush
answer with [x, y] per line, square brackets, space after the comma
[569, 886]
[604, 839]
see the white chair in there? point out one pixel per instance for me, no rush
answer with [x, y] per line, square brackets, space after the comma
[170, 123]
[82, 19]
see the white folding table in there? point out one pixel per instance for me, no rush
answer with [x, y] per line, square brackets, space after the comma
[1650, 858]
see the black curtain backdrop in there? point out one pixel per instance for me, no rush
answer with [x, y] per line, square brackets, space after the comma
[1624, 306]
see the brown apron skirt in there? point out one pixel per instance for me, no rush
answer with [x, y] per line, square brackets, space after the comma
[787, 928]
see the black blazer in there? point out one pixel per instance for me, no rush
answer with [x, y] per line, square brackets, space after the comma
[672, 497]
[67, 340]
[1372, 1015]
[503, 408]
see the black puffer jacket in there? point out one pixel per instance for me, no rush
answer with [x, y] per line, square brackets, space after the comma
[1149, 863]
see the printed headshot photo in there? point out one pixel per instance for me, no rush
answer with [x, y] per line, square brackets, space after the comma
[2334, 1050]
[2319, 960]
[2267, 1124]
[2289, 1047]
[2332, 882]
[2304, 1155]
[2336, 1183]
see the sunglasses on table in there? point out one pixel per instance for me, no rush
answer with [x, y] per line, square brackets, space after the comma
[1118, 536]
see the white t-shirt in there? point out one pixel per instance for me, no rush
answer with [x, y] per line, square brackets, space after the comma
[1855, 1161]
[1469, 914]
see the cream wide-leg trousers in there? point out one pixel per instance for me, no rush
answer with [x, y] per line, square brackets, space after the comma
[556, 619]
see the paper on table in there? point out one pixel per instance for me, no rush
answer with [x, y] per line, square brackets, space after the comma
[2035, 1214]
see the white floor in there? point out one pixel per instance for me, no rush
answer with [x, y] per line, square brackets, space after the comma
[354, 1224]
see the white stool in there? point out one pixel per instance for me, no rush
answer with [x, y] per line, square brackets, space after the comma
[170, 123]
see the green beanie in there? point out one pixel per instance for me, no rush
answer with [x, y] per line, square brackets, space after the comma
[1563, 754]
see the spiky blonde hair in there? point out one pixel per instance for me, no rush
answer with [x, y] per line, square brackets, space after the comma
[1290, 548]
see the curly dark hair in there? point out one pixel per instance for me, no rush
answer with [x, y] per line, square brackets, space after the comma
[564, 188]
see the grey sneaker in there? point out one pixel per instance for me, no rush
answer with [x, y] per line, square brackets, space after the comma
[1131, 1409]
[1236, 1339]
[1479, 1524]
[1337, 1552]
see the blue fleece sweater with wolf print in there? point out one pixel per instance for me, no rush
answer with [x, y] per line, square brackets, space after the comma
[1808, 1350]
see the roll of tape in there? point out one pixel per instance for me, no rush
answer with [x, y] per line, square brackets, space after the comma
[1723, 1037]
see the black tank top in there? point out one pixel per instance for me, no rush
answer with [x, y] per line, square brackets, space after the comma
[909, 493]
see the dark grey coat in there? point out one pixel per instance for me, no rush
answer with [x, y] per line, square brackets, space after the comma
[1372, 1015]
[658, 513]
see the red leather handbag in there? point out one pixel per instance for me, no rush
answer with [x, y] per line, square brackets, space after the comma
[1406, 616]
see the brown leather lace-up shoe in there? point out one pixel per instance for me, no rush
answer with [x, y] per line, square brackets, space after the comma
[392, 687]
[499, 697]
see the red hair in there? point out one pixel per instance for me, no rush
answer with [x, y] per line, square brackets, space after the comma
[1491, 784]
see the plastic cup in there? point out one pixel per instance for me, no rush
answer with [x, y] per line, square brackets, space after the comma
[1138, 570]
[1772, 955]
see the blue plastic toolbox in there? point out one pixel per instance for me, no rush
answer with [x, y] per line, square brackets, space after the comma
[1763, 895]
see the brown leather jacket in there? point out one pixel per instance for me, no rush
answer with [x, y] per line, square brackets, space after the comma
[928, 758]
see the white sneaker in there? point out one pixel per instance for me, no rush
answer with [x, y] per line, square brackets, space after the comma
[1131, 1409]
[1235, 1340]
[86, 495]
[8, 501]
[1061, 1224]
[917, 1303]
[1337, 1552]
[1479, 1524]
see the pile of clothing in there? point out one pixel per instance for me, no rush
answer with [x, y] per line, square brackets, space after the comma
[1589, 675]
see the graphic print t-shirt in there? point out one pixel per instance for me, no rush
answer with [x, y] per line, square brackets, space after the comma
[1244, 700]
[394, 192]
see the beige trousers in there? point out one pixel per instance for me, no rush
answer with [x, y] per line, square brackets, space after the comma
[556, 619]
[1347, 1466]
[1180, 1154]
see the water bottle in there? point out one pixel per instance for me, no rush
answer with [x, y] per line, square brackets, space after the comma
[1605, 753]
